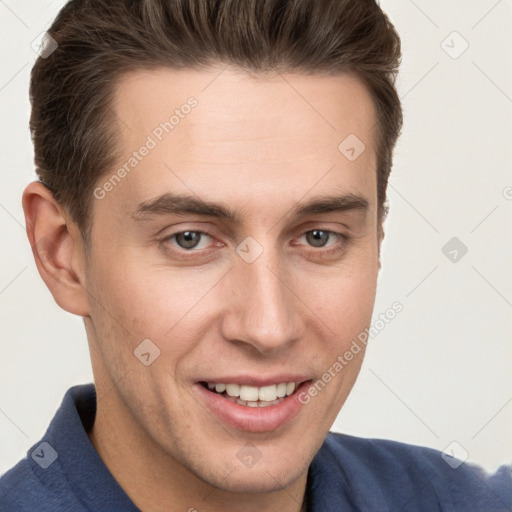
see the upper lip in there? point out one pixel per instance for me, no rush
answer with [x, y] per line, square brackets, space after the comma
[258, 381]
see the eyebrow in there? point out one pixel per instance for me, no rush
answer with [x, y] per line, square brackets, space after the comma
[178, 204]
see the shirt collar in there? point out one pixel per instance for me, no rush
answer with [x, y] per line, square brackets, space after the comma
[78, 460]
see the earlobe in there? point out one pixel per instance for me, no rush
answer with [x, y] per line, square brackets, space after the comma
[57, 248]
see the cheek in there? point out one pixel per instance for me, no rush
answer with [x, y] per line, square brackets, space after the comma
[138, 301]
[353, 309]
[346, 298]
[345, 307]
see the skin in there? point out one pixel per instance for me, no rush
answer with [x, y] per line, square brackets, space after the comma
[258, 146]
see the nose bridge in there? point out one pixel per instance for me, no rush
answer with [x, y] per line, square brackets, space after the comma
[263, 310]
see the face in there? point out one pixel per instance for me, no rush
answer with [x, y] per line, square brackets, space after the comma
[210, 248]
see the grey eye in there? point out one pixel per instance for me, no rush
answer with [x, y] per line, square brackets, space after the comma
[317, 237]
[188, 239]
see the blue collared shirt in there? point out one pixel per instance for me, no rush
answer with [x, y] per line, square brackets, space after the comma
[63, 473]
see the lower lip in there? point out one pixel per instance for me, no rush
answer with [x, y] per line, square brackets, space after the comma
[253, 419]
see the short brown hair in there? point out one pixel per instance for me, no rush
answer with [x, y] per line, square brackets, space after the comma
[74, 128]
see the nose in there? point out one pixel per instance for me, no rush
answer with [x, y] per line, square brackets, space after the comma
[262, 308]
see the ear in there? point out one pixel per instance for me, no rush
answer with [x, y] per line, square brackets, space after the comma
[380, 228]
[379, 241]
[57, 247]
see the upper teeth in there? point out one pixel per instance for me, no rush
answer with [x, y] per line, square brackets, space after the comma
[253, 393]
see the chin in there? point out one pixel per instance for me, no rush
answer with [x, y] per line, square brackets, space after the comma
[252, 481]
[269, 474]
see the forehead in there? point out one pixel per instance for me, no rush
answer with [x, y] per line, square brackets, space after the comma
[256, 134]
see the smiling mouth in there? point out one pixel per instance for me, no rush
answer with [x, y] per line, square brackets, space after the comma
[252, 396]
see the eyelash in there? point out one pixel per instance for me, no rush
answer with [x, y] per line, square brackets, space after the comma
[343, 240]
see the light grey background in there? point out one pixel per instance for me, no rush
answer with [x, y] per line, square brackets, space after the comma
[441, 370]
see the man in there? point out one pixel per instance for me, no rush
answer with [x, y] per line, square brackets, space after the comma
[211, 198]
